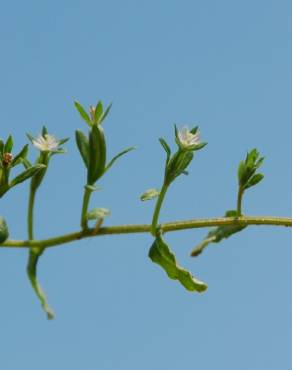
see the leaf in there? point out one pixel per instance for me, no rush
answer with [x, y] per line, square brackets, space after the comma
[63, 141]
[8, 145]
[31, 171]
[44, 131]
[106, 112]
[161, 254]
[241, 172]
[97, 154]
[254, 180]
[34, 255]
[166, 148]
[98, 112]
[20, 156]
[98, 213]
[1, 147]
[150, 194]
[194, 130]
[83, 146]
[83, 113]
[118, 156]
[215, 235]
[4, 233]
[30, 137]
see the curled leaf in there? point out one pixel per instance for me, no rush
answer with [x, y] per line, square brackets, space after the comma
[34, 255]
[150, 194]
[217, 234]
[162, 255]
[98, 213]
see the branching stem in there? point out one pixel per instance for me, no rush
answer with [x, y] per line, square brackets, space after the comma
[144, 228]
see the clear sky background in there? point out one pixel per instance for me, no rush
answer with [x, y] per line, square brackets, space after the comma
[225, 65]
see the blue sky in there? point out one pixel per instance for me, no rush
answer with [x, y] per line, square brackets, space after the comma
[223, 65]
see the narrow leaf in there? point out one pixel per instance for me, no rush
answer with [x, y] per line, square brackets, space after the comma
[31, 171]
[98, 112]
[44, 131]
[97, 154]
[83, 146]
[1, 147]
[162, 255]
[166, 148]
[118, 156]
[83, 113]
[106, 112]
[8, 145]
[254, 180]
[20, 156]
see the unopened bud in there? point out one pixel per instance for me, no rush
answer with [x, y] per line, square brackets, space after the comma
[7, 158]
[92, 112]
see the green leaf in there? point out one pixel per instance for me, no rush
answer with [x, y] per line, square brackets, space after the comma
[118, 156]
[63, 141]
[83, 113]
[4, 233]
[106, 112]
[26, 163]
[1, 147]
[254, 180]
[162, 255]
[44, 131]
[150, 194]
[98, 112]
[83, 146]
[8, 145]
[31, 171]
[34, 255]
[20, 156]
[194, 130]
[166, 148]
[197, 146]
[98, 213]
[215, 235]
[30, 137]
[241, 172]
[97, 154]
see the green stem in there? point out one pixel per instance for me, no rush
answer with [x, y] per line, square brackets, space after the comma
[239, 200]
[144, 228]
[86, 198]
[31, 201]
[158, 208]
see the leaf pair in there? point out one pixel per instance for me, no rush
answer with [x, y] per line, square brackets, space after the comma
[96, 116]
[247, 176]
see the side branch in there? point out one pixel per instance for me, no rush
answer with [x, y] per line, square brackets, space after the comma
[143, 228]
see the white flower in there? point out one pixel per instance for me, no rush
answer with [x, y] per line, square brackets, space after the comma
[46, 143]
[187, 139]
